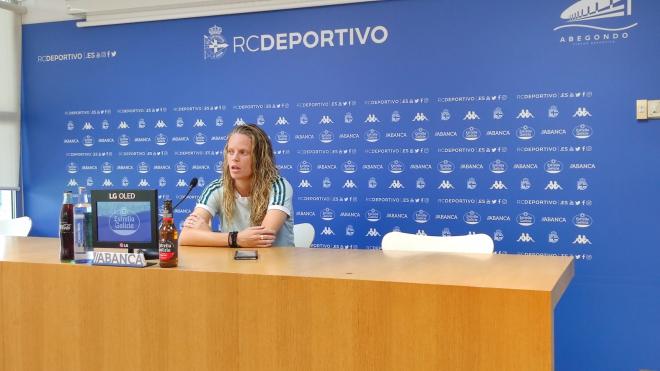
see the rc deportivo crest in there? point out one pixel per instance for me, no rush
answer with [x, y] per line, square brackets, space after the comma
[215, 44]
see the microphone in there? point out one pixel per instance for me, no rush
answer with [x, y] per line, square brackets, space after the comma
[193, 184]
[152, 255]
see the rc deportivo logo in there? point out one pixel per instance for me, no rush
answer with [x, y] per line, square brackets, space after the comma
[610, 25]
[215, 44]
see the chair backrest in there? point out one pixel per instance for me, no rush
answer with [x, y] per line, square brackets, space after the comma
[16, 227]
[303, 234]
[471, 243]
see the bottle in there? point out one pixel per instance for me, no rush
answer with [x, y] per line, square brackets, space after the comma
[82, 228]
[168, 239]
[66, 228]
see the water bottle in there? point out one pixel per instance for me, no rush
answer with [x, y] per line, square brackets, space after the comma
[66, 228]
[82, 228]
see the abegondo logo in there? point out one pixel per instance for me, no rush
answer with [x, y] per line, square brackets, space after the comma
[607, 12]
[215, 44]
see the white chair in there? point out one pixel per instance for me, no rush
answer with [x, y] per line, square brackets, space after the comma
[16, 227]
[471, 243]
[303, 234]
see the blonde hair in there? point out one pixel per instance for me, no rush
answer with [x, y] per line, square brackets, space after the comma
[264, 173]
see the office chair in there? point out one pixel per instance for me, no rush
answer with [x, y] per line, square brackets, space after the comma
[471, 243]
[303, 234]
[16, 227]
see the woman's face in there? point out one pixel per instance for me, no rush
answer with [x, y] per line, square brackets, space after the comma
[239, 156]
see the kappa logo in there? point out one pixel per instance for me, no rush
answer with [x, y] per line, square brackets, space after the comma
[525, 237]
[499, 185]
[215, 45]
[107, 183]
[349, 184]
[396, 184]
[239, 121]
[525, 114]
[326, 119]
[327, 231]
[160, 124]
[445, 184]
[553, 237]
[123, 125]
[372, 119]
[373, 232]
[88, 126]
[72, 183]
[421, 232]
[582, 239]
[305, 184]
[281, 121]
[553, 185]
[199, 123]
[553, 112]
[471, 115]
[181, 183]
[582, 112]
[420, 117]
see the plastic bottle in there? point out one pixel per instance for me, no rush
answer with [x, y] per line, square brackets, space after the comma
[66, 228]
[82, 228]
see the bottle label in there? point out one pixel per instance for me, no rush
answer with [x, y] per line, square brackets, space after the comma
[167, 249]
[65, 227]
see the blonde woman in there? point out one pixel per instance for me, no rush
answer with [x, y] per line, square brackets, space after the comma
[251, 199]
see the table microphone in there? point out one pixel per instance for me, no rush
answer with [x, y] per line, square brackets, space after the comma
[150, 254]
[193, 184]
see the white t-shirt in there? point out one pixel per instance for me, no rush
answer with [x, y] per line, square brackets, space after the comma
[280, 198]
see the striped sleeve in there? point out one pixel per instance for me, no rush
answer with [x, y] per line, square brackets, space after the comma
[210, 197]
[281, 195]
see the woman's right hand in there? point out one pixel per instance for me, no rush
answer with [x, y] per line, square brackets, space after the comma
[256, 237]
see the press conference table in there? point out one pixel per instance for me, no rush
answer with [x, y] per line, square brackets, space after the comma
[292, 309]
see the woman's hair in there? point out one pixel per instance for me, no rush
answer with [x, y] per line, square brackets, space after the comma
[264, 173]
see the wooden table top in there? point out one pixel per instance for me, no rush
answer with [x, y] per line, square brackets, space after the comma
[516, 272]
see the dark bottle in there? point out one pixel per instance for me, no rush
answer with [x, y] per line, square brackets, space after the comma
[168, 239]
[66, 228]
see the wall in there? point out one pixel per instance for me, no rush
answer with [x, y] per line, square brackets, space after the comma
[452, 117]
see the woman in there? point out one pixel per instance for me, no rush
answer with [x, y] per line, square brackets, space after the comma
[251, 199]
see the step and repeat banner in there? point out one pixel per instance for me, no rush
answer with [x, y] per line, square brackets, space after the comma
[422, 117]
[515, 119]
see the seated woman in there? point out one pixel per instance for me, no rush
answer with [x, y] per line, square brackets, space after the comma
[251, 199]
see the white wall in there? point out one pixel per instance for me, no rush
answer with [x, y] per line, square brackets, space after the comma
[40, 11]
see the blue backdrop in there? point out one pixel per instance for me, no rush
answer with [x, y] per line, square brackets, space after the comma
[431, 117]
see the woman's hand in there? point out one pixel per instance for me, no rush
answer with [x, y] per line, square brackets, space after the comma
[256, 237]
